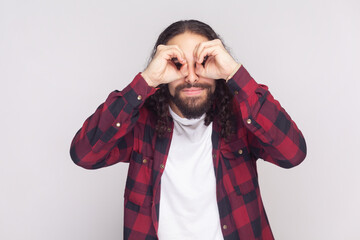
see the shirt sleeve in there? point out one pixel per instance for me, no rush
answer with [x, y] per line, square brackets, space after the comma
[106, 137]
[272, 134]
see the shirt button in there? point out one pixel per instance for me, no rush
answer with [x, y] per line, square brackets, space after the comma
[214, 156]
[139, 97]
[225, 226]
[236, 92]
[118, 124]
[145, 161]
[162, 166]
[169, 129]
[248, 121]
[240, 151]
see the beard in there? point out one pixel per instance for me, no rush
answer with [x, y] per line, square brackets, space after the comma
[193, 107]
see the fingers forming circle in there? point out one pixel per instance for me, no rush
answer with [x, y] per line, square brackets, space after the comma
[200, 47]
[207, 52]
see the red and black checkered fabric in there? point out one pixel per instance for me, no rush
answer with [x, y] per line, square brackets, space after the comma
[122, 130]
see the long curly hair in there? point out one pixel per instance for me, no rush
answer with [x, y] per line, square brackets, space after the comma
[222, 105]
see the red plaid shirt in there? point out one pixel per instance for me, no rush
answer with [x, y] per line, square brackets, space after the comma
[122, 130]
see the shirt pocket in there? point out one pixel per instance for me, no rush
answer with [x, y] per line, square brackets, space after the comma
[138, 187]
[240, 175]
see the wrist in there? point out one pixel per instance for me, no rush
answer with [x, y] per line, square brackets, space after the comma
[235, 69]
[147, 79]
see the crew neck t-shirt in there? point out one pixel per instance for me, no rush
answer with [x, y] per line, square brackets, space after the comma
[188, 206]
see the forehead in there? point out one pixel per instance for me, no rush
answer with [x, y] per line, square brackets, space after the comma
[187, 41]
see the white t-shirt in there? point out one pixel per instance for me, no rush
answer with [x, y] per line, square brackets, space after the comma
[188, 206]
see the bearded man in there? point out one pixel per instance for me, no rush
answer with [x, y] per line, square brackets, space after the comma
[192, 126]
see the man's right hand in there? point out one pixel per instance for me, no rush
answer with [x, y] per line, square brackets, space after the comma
[162, 68]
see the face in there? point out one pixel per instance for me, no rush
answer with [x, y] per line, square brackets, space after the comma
[191, 96]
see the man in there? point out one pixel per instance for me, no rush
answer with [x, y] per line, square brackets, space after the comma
[192, 126]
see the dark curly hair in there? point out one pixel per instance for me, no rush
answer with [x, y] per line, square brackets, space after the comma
[222, 105]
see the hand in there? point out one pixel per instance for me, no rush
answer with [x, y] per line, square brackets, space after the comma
[168, 64]
[213, 61]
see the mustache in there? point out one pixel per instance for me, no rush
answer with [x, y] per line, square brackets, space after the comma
[190, 85]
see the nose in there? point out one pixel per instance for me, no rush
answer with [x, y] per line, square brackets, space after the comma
[192, 77]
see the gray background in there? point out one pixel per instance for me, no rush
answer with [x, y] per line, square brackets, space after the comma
[59, 60]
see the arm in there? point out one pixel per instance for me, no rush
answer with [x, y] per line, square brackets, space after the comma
[106, 137]
[272, 134]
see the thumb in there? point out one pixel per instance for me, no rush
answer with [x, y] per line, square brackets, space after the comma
[184, 70]
[199, 69]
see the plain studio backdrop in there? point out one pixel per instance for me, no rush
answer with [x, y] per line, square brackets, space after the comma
[59, 60]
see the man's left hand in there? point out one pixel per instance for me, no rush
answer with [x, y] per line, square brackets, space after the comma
[219, 64]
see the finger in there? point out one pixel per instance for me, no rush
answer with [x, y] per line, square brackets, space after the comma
[182, 54]
[173, 55]
[184, 70]
[195, 51]
[178, 49]
[203, 45]
[209, 51]
[160, 47]
[199, 69]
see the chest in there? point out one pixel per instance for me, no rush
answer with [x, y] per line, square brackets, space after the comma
[232, 161]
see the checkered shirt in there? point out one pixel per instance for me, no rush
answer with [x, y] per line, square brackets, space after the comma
[122, 130]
